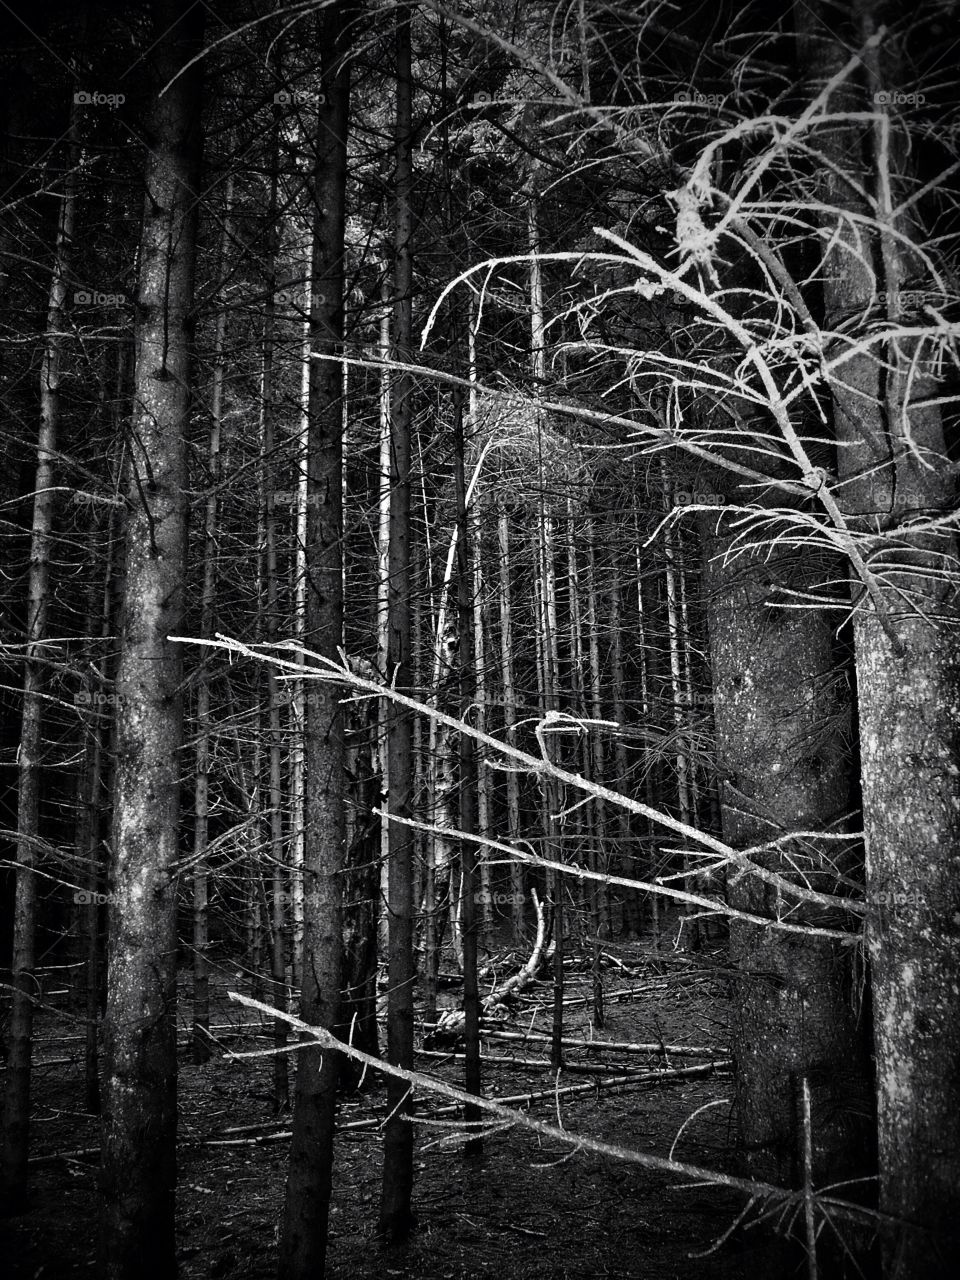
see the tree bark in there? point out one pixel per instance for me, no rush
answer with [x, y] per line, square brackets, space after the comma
[893, 469]
[783, 726]
[309, 1181]
[16, 1108]
[468, 783]
[200, 1033]
[396, 1217]
[138, 1167]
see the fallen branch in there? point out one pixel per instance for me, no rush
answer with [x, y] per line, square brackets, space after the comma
[452, 1022]
[578, 1141]
[586, 1068]
[617, 1046]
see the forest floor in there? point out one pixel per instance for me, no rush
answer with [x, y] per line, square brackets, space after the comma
[526, 1207]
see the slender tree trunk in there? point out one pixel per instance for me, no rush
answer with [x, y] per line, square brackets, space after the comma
[201, 924]
[88, 837]
[509, 712]
[298, 697]
[396, 1218]
[383, 628]
[468, 784]
[547, 621]
[309, 1181]
[138, 1169]
[484, 789]
[16, 1110]
[689, 928]
[268, 622]
[630, 919]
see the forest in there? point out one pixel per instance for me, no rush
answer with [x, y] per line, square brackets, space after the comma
[480, 644]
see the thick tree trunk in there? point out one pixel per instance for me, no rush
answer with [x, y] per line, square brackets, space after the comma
[894, 469]
[783, 726]
[309, 1182]
[138, 1170]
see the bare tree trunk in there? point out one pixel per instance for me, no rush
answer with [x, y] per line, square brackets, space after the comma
[16, 1109]
[648, 666]
[309, 1181]
[268, 625]
[484, 789]
[383, 631]
[88, 835]
[396, 1218]
[630, 917]
[298, 698]
[893, 467]
[138, 1168]
[689, 929]
[509, 712]
[200, 1034]
[468, 784]
[783, 722]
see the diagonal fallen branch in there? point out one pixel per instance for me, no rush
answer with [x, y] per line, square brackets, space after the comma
[578, 1141]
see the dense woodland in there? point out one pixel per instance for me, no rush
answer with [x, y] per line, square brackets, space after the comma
[479, 546]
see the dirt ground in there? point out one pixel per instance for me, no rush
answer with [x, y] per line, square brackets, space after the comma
[525, 1208]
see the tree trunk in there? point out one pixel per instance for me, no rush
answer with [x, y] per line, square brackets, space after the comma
[396, 1218]
[16, 1109]
[138, 1169]
[783, 724]
[893, 468]
[200, 1034]
[309, 1181]
[512, 784]
[268, 621]
[468, 784]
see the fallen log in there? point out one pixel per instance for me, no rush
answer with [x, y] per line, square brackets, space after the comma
[452, 1022]
[618, 1046]
[544, 1064]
